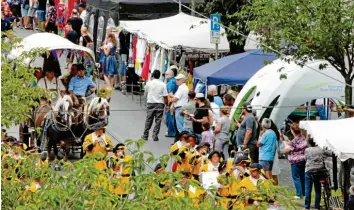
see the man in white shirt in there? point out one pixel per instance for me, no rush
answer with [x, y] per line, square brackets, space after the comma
[83, 12]
[156, 92]
[179, 99]
[51, 83]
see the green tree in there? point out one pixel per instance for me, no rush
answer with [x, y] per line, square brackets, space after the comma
[81, 186]
[318, 29]
[228, 10]
[18, 95]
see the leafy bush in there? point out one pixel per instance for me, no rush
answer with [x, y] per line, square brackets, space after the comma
[79, 185]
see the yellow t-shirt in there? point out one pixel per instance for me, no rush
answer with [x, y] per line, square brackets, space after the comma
[99, 147]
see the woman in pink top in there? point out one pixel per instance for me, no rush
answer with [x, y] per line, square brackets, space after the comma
[296, 149]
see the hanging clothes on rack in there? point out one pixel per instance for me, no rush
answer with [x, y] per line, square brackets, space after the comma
[156, 60]
[182, 61]
[162, 61]
[130, 59]
[146, 67]
[135, 42]
[140, 55]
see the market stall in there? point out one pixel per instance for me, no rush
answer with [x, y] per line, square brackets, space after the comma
[337, 136]
[179, 30]
[234, 69]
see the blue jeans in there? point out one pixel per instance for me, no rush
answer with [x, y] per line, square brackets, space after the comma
[179, 119]
[308, 189]
[170, 124]
[298, 175]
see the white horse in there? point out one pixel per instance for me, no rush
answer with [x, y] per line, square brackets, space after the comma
[62, 109]
[97, 111]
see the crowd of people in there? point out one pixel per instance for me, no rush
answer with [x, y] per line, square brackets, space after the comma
[40, 15]
[201, 125]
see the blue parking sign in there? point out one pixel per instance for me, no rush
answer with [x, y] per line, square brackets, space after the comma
[215, 20]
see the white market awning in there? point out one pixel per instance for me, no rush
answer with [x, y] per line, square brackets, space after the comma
[336, 135]
[50, 42]
[178, 30]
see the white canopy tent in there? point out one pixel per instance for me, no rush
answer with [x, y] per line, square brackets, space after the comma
[303, 84]
[336, 135]
[48, 41]
[178, 30]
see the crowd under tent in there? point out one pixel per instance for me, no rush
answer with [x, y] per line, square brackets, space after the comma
[181, 30]
[267, 88]
[234, 69]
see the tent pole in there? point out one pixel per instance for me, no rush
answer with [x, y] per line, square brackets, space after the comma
[180, 6]
[346, 172]
[335, 171]
[193, 7]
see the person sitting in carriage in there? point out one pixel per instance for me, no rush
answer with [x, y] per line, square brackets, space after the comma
[81, 85]
[51, 83]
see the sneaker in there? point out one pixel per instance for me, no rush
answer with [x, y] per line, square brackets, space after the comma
[156, 139]
[144, 137]
[296, 197]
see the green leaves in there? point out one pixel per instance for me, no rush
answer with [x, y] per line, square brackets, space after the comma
[81, 186]
[318, 29]
[18, 95]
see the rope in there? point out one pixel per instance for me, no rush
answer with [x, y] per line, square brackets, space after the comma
[254, 107]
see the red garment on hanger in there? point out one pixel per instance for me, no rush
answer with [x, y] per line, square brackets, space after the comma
[146, 66]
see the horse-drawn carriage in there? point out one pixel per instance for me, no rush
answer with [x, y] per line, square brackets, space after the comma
[59, 122]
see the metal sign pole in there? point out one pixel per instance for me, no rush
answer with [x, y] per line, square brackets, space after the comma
[215, 20]
[180, 6]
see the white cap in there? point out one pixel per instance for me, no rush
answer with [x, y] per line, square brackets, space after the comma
[267, 123]
[199, 95]
[180, 76]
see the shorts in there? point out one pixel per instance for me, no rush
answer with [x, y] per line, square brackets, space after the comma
[267, 165]
[24, 10]
[41, 15]
[31, 12]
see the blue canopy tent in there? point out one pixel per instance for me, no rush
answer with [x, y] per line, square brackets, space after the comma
[234, 69]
